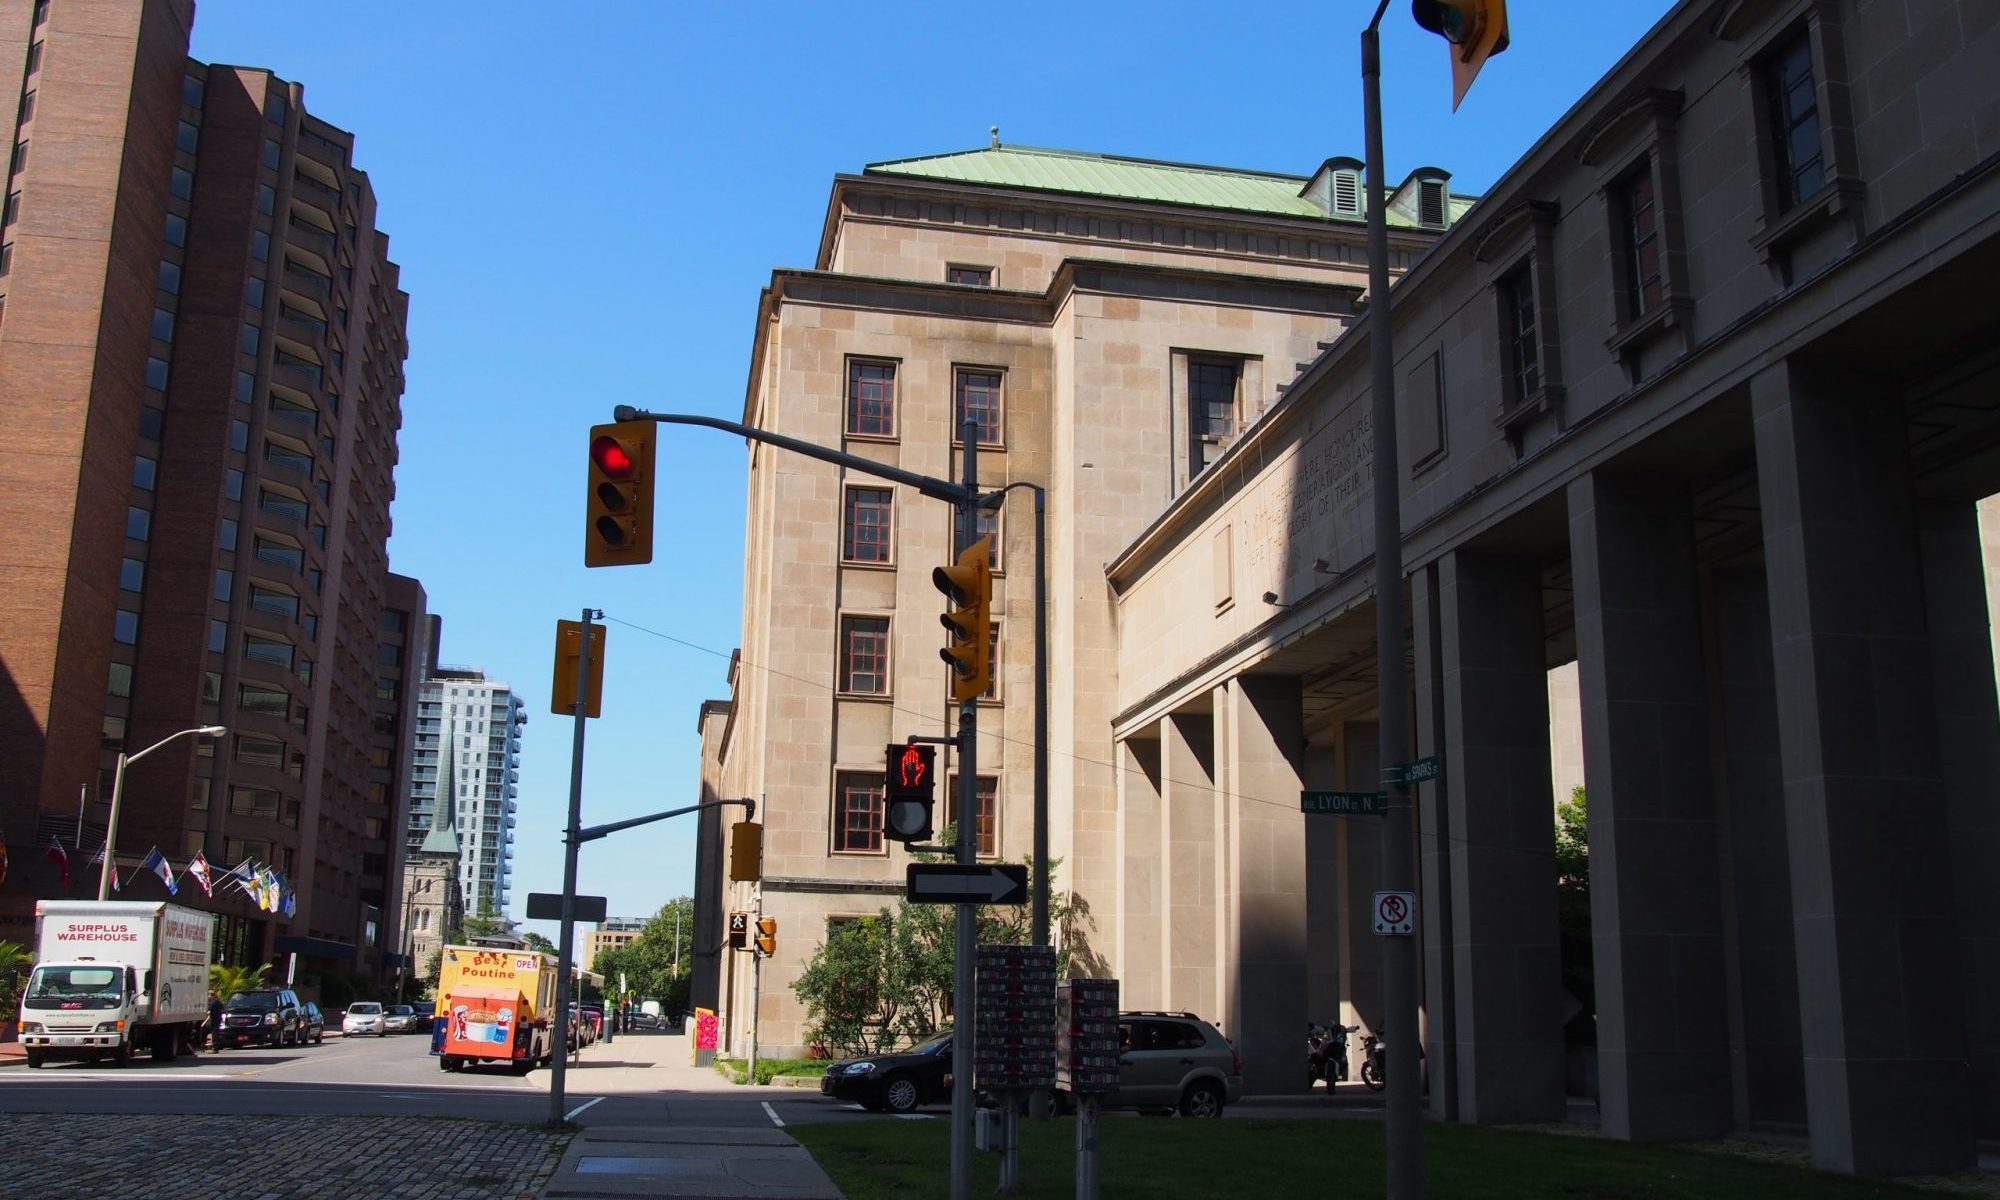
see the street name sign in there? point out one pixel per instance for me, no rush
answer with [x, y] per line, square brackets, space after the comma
[1346, 804]
[1420, 771]
[977, 883]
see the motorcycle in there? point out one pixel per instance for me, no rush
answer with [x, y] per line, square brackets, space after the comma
[1326, 1053]
[1371, 1063]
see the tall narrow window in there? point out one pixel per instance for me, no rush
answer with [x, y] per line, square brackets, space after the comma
[866, 526]
[871, 398]
[1639, 240]
[977, 400]
[986, 523]
[1795, 122]
[864, 655]
[1211, 409]
[857, 814]
[1517, 335]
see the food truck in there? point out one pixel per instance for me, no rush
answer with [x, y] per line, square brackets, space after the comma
[495, 1005]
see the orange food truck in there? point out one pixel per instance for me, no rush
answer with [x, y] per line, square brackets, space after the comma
[495, 1005]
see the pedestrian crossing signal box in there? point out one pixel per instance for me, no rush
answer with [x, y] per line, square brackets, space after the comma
[739, 930]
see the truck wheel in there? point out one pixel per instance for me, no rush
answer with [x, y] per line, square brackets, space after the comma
[34, 1060]
[122, 1056]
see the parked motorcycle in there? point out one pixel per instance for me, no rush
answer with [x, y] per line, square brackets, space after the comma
[1371, 1063]
[1326, 1053]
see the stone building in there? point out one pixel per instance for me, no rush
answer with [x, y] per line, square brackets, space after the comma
[201, 369]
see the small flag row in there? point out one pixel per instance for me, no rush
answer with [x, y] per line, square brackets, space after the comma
[263, 884]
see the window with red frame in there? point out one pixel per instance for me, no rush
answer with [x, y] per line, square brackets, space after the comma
[857, 814]
[864, 655]
[978, 398]
[871, 398]
[866, 526]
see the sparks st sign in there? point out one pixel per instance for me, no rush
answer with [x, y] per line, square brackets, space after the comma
[1421, 771]
[1345, 804]
[953, 883]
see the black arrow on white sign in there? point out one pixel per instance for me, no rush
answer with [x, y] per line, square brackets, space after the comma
[953, 883]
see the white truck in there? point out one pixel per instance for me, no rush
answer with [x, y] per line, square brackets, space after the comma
[112, 977]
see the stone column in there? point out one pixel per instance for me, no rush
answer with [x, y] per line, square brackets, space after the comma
[1507, 966]
[1266, 751]
[1434, 852]
[1882, 1014]
[1361, 878]
[1655, 906]
[1324, 884]
[1187, 872]
[1969, 739]
[1141, 919]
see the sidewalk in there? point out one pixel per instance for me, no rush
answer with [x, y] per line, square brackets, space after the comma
[748, 1158]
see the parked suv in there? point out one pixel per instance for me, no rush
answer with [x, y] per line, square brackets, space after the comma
[1176, 1061]
[269, 1015]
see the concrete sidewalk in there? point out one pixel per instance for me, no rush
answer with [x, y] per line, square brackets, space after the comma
[745, 1158]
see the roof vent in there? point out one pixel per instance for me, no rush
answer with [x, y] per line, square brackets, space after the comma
[1430, 203]
[993, 132]
[1347, 192]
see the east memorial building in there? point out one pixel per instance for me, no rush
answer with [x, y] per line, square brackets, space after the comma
[1699, 398]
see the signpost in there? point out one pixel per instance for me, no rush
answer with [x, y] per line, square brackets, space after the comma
[1345, 804]
[1395, 913]
[966, 883]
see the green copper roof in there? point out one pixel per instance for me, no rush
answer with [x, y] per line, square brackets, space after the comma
[1122, 178]
[1126, 179]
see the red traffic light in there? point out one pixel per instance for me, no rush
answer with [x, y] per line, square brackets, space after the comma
[611, 458]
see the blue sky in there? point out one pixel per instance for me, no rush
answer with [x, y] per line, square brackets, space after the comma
[585, 200]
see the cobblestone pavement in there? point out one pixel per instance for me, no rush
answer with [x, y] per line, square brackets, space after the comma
[45, 1156]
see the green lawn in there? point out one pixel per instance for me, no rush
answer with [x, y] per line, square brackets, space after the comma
[1151, 1157]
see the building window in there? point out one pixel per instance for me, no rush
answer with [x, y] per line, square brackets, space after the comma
[143, 472]
[871, 398]
[226, 538]
[225, 584]
[1795, 122]
[132, 575]
[181, 182]
[1639, 242]
[866, 526]
[185, 135]
[20, 157]
[156, 374]
[191, 86]
[857, 814]
[864, 656]
[34, 58]
[125, 627]
[27, 107]
[120, 682]
[1211, 409]
[177, 230]
[977, 399]
[253, 294]
[1521, 362]
[6, 257]
[974, 276]
[260, 246]
[218, 636]
[138, 523]
[267, 199]
[249, 339]
[170, 278]
[113, 737]
[986, 523]
[163, 325]
[987, 789]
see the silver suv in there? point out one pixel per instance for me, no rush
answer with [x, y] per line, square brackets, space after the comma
[1175, 1060]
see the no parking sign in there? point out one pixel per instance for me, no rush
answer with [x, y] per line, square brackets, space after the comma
[1395, 913]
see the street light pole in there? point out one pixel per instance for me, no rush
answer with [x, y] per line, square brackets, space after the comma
[118, 795]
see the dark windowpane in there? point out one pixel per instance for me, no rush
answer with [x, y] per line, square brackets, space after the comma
[218, 637]
[143, 472]
[181, 182]
[20, 156]
[976, 276]
[138, 523]
[34, 58]
[177, 230]
[156, 374]
[190, 90]
[226, 538]
[151, 423]
[871, 398]
[1795, 117]
[1212, 398]
[125, 627]
[260, 246]
[132, 575]
[978, 400]
[170, 277]
[120, 682]
[185, 135]
[1642, 243]
[857, 816]
[864, 655]
[866, 537]
[163, 325]
[267, 199]
[1517, 333]
[253, 293]
[986, 523]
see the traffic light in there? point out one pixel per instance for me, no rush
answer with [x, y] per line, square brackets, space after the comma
[619, 528]
[569, 648]
[968, 584]
[912, 791]
[739, 930]
[746, 852]
[1477, 30]
[767, 936]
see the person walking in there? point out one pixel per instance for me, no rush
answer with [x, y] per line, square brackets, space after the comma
[214, 1022]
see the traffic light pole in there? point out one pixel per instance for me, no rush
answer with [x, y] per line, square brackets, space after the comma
[566, 944]
[1404, 1126]
[1038, 920]
[966, 935]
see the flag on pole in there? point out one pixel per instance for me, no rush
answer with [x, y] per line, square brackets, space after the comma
[199, 869]
[291, 904]
[98, 860]
[60, 857]
[157, 863]
[242, 876]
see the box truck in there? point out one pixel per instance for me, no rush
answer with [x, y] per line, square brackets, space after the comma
[495, 1005]
[113, 977]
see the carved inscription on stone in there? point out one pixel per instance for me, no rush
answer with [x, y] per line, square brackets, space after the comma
[1312, 506]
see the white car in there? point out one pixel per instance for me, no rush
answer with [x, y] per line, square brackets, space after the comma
[364, 1016]
[399, 1018]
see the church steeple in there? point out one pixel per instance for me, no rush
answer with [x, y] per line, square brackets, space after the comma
[443, 837]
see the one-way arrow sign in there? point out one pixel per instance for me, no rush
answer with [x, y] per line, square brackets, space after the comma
[952, 883]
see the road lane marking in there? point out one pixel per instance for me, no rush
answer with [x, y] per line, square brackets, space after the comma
[571, 1114]
[773, 1114]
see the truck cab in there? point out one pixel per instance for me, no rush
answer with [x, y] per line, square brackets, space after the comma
[81, 1009]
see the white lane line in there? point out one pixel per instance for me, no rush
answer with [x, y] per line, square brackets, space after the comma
[773, 1114]
[571, 1114]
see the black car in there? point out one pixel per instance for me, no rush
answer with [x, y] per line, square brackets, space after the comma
[898, 1082]
[272, 1016]
[312, 1024]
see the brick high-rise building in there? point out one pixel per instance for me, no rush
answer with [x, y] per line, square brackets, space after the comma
[201, 349]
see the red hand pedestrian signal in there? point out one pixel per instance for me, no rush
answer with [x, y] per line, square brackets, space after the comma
[911, 778]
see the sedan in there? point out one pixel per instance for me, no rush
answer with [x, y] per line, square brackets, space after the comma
[399, 1018]
[897, 1082]
[363, 1016]
[312, 1024]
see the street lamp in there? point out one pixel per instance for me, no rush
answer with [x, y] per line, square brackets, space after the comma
[118, 793]
[409, 941]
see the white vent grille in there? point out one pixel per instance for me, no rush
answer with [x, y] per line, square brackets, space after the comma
[1346, 192]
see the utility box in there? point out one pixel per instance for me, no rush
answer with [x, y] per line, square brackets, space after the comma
[1087, 1036]
[1014, 1046]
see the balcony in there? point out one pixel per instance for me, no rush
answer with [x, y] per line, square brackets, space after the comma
[310, 238]
[302, 329]
[322, 150]
[306, 281]
[294, 419]
[299, 375]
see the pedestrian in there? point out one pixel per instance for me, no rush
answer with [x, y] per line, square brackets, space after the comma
[214, 1022]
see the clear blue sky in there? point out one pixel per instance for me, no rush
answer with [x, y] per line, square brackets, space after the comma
[585, 200]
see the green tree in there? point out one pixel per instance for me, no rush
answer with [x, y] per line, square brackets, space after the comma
[1573, 910]
[537, 942]
[484, 923]
[14, 964]
[226, 981]
[886, 980]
